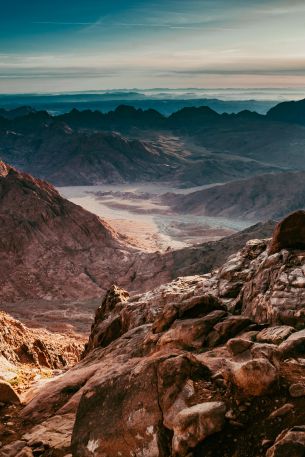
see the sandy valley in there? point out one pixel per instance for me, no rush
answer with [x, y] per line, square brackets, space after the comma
[137, 212]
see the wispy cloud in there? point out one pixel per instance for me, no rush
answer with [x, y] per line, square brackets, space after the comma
[62, 23]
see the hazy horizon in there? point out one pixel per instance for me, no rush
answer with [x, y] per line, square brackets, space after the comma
[228, 93]
[76, 46]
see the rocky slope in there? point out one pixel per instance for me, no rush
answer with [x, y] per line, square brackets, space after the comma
[53, 249]
[49, 246]
[66, 154]
[206, 365]
[256, 198]
[66, 157]
[28, 354]
[80, 147]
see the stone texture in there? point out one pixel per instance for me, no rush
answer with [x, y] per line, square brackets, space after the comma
[254, 377]
[274, 335]
[154, 357]
[192, 425]
[238, 345]
[12, 449]
[289, 233]
[8, 394]
[22, 348]
[282, 411]
[289, 443]
[297, 390]
[294, 345]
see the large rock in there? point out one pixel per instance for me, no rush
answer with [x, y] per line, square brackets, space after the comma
[274, 335]
[103, 331]
[289, 443]
[289, 233]
[193, 425]
[254, 377]
[8, 394]
[294, 345]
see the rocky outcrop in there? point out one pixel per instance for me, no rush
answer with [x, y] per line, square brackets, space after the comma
[203, 365]
[192, 425]
[20, 344]
[289, 233]
[289, 442]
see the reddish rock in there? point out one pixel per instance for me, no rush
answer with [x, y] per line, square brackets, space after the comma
[289, 443]
[21, 345]
[289, 233]
[8, 394]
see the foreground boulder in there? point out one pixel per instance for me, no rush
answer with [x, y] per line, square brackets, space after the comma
[254, 377]
[289, 233]
[289, 443]
[7, 394]
[193, 425]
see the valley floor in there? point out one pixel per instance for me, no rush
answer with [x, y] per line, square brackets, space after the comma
[137, 212]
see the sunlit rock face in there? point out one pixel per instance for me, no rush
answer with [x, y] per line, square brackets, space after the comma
[166, 371]
[289, 233]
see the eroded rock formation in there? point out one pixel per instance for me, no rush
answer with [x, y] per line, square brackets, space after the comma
[203, 365]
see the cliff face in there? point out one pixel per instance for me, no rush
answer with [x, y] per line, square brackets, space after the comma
[50, 247]
[20, 345]
[205, 365]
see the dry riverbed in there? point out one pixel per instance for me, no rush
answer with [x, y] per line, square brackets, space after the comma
[137, 212]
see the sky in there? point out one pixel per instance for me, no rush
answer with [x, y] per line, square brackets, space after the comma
[75, 45]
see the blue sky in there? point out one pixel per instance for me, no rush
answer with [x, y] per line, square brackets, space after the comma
[64, 45]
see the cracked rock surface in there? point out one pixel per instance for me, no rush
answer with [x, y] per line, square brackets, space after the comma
[209, 365]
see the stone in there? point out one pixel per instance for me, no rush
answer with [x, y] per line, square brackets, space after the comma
[226, 329]
[194, 424]
[282, 411]
[12, 449]
[274, 335]
[294, 345]
[53, 433]
[238, 345]
[254, 377]
[103, 332]
[264, 350]
[191, 332]
[289, 443]
[297, 390]
[289, 233]
[26, 452]
[8, 394]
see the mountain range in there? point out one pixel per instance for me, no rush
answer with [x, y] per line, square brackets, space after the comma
[192, 147]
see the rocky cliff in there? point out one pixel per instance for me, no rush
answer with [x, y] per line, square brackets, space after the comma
[205, 365]
[53, 249]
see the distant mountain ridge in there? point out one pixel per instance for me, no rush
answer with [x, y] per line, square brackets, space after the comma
[257, 198]
[73, 150]
[124, 117]
[191, 147]
[289, 111]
